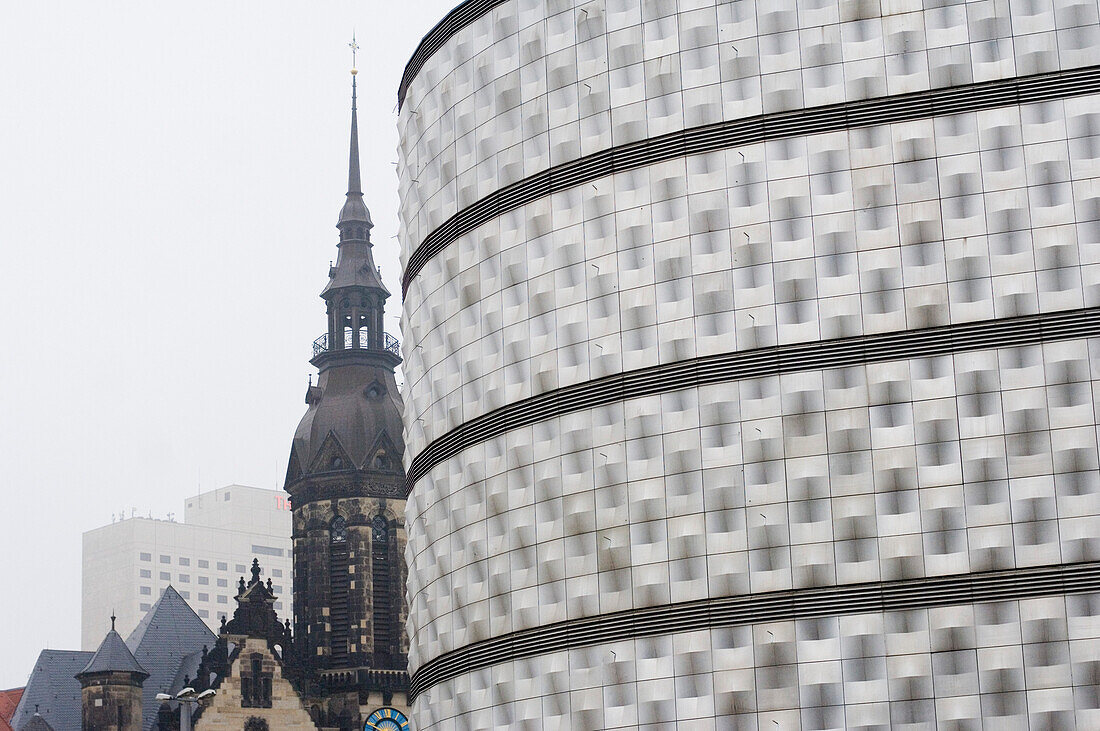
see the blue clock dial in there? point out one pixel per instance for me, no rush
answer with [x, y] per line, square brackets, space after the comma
[386, 719]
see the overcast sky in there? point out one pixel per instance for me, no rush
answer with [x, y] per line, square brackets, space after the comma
[170, 177]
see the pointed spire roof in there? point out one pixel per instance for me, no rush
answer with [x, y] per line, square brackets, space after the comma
[113, 656]
[169, 632]
[354, 210]
[354, 184]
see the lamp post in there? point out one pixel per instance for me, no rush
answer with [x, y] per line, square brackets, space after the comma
[186, 698]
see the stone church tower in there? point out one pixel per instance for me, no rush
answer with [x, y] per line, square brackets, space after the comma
[348, 491]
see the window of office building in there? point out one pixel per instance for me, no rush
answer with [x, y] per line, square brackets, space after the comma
[146, 574]
[185, 578]
[145, 556]
[185, 561]
[241, 568]
[165, 576]
[166, 559]
[222, 566]
[223, 600]
[204, 564]
[204, 597]
[204, 580]
[147, 591]
[277, 573]
[143, 607]
[223, 583]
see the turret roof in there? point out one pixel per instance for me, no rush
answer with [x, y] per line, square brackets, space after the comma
[113, 656]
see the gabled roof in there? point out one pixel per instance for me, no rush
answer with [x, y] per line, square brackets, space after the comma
[9, 701]
[169, 632]
[159, 647]
[37, 723]
[113, 656]
[54, 689]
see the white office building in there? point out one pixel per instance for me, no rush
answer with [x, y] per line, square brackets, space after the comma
[128, 564]
[752, 364]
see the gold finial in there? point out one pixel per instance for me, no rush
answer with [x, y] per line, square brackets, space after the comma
[354, 47]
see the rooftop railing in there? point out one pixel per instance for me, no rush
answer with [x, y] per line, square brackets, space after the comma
[390, 344]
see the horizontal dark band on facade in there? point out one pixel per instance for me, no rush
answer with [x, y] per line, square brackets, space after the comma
[751, 130]
[879, 596]
[443, 31]
[723, 367]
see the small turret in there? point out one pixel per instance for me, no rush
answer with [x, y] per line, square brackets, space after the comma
[111, 687]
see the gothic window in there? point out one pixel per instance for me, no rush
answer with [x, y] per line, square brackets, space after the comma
[255, 684]
[255, 723]
[379, 526]
[383, 571]
[338, 532]
[339, 586]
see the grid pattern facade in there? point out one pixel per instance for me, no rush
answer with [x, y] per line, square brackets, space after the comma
[966, 462]
[1010, 664]
[126, 566]
[926, 467]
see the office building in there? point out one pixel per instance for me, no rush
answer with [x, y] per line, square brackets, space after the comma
[129, 563]
[751, 360]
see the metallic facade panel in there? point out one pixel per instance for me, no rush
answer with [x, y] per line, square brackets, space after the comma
[751, 360]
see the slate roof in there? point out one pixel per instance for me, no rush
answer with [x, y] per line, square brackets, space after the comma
[164, 645]
[113, 656]
[9, 700]
[188, 669]
[165, 636]
[53, 687]
[37, 723]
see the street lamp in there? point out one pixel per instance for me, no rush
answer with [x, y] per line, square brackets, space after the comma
[186, 697]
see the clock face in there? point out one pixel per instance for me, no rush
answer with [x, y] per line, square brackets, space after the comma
[386, 719]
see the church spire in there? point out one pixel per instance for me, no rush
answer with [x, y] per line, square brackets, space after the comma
[354, 186]
[355, 220]
[355, 294]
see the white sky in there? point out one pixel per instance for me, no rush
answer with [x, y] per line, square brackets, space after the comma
[170, 177]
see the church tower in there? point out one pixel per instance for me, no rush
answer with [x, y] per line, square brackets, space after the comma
[347, 488]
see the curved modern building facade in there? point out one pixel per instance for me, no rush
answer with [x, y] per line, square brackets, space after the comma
[752, 364]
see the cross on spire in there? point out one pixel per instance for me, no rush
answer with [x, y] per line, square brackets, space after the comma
[354, 47]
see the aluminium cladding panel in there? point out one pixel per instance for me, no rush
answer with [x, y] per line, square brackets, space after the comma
[1014, 663]
[924, 467]
[628, 494]
[529, 85]
[952, 219]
